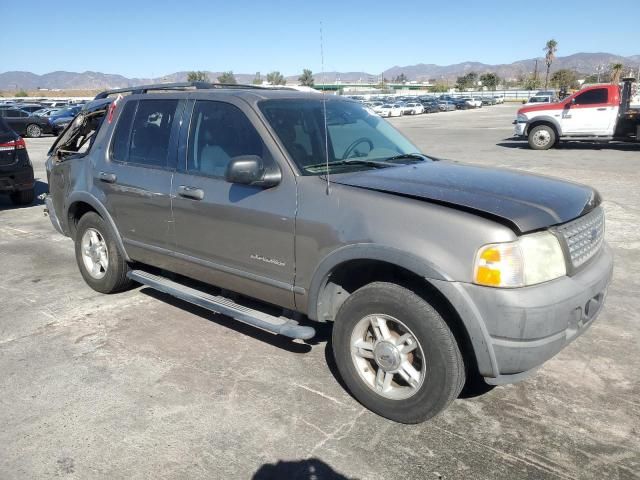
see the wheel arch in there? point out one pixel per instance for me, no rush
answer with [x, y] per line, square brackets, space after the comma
[82, 202]
[544, 120]
[334, 281]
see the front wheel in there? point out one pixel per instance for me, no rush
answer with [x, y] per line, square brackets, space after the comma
[34, 131]
[99, 260]
[396, 354]
[542, 137]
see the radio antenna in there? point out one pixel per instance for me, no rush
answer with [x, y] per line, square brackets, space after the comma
[324, 113]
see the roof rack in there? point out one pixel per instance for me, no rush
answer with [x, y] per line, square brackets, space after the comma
[177, 86]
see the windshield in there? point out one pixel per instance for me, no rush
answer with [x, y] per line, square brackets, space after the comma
[355, 136]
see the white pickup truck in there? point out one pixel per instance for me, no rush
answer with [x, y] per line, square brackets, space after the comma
[600, 113]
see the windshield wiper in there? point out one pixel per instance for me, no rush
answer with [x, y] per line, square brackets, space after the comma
[407, 156]
[350, 161]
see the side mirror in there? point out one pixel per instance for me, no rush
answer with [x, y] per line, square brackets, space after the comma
[249, 170]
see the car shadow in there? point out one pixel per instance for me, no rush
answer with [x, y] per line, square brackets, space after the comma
[623, 147]
[308, 469]
[40, 189]
[285, 343]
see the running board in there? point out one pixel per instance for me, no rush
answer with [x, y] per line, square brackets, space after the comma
[224, 306]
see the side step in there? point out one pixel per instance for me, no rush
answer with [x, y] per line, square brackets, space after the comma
[224, 306]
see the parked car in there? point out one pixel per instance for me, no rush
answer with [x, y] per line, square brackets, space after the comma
[538, 99]
[29, 107]
[446, 106]
[25, 124]
[336, 224]
[16, 171]
[431, 107]
[45, 112]
[413, 108]
[499, 98]
[62, 118]
[390, 110]
[487, 101]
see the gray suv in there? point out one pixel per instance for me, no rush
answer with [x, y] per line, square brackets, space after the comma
[276, 207]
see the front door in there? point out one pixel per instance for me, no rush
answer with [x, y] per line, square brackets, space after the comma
[591, 113]
[238, 237]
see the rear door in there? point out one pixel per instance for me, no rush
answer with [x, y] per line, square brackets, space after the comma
[591, 113]
[136, 177]
[234, 236]
[16, 119]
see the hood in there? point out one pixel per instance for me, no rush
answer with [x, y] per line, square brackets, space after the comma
[523, 201]
[537, 107]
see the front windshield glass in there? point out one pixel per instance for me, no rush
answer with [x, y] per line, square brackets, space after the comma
[355, 136]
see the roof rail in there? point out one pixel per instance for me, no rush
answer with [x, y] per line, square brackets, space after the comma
[176, 86]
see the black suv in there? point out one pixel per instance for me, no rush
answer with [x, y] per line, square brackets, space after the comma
[434, 273]
[16, 171]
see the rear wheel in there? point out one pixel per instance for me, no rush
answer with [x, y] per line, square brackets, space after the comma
[23, 197]
[396, 354]
[542, 137]
[99, 260]
[34, 131]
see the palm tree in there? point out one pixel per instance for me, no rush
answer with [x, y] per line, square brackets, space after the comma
[550, 55]
[616, 72]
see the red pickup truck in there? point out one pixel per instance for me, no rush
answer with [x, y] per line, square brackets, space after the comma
[599, 113]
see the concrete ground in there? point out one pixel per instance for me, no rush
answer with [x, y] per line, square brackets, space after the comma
[138, 385]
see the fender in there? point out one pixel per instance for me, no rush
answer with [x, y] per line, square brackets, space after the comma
[476, 329]
[89, 199]
[366, 251]
[547, 119]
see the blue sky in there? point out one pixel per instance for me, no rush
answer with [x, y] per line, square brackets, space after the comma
[152, 38]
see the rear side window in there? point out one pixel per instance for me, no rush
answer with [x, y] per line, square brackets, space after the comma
[143, 132]
[220, 131]
[593, 97]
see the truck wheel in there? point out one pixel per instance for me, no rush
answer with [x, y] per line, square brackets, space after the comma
[33, 131]
[396, 354]
[542, 137]
[98, 257]
[23, 197]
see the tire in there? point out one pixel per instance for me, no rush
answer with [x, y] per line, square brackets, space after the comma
[542, 137]
[23, 197]
[33, 131]
[111, 279]
[438, 368]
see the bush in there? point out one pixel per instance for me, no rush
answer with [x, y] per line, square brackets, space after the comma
[22, 93]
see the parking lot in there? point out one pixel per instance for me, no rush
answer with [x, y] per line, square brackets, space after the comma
[140, 385]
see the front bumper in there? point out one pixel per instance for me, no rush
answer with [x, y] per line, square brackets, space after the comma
[520, 128]
[16, 179]
[514, 331]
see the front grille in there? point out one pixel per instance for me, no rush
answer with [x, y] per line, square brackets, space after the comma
[584, 236]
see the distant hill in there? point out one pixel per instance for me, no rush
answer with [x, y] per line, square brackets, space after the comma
[585, 63]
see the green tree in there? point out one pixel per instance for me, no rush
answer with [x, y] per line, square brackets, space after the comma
[550, 50]
[616, 70]
[565, 78]
[257, 80]
[276, 78]
[306, 79]
[490, 80]
[467, 81]
[227, 78]
[440, 87]
[197, 76]
[22, 93]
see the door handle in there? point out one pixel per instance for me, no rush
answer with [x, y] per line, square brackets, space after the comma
[107, 177]
[193, 193]
[602, 109]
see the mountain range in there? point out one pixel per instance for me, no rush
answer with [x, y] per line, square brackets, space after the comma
[585, 63]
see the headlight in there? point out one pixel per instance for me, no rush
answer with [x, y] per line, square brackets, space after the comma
[521, 118]
[531, 259]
